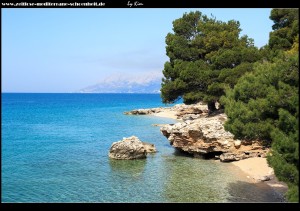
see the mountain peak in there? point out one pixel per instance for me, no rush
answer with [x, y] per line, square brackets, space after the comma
[121, 83]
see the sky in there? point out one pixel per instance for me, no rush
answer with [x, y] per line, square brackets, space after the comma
[62, 50]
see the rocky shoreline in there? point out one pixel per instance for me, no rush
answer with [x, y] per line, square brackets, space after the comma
[203, 135]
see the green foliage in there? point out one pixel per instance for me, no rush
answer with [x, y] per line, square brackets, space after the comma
[286, 27]
[204, 55]
[284, 157]
[264, 103]
[283, 18]
[173, 88]
[230, 75]
[258, 97]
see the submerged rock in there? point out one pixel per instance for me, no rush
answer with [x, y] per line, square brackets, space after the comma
[130, 148]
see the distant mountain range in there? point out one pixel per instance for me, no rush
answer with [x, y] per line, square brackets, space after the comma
[149, 83]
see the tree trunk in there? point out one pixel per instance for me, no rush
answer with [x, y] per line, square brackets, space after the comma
[211, 107]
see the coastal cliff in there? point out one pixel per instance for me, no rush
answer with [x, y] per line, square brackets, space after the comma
[203, 135]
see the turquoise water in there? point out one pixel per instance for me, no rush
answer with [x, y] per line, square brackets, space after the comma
[55, 149]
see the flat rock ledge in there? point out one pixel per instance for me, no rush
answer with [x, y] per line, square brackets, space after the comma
[203, 135]
[130, 148]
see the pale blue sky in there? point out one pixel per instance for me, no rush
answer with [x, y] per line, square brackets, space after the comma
[64, 50]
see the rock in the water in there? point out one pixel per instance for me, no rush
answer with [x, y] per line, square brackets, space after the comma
[150, 148]
[130, 148]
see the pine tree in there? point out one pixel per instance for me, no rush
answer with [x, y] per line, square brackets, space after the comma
[206, 56]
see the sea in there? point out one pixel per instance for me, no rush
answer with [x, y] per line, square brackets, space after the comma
[54, 148]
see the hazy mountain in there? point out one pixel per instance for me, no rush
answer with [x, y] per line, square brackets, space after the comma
[148, 83]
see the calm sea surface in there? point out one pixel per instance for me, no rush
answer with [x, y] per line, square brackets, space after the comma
[55, 149]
